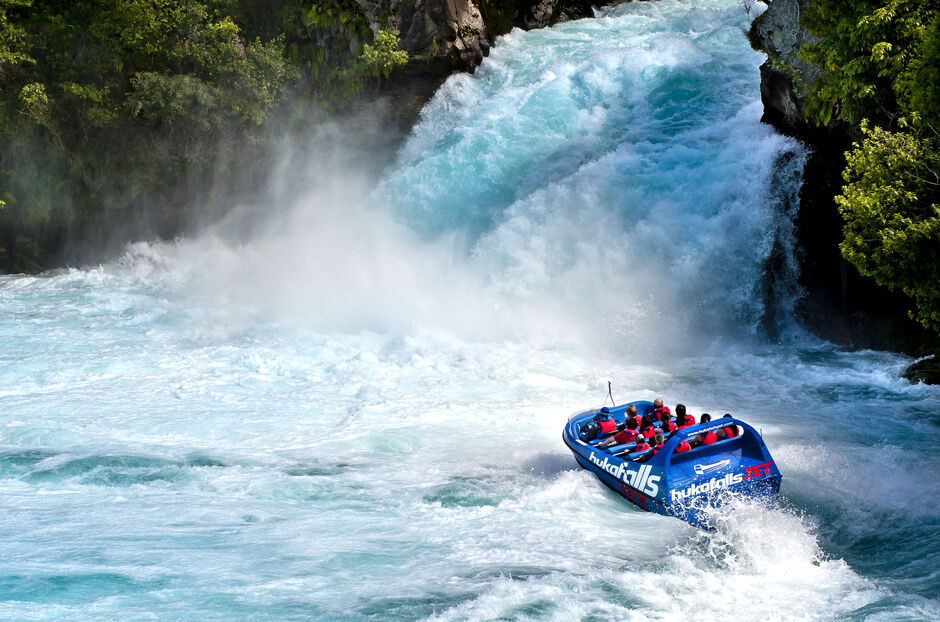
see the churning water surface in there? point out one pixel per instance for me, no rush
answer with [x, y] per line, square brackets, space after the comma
[353, 411]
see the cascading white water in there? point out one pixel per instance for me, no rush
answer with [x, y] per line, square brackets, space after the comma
[353, 411]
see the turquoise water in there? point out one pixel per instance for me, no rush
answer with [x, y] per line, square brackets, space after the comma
[349, 406]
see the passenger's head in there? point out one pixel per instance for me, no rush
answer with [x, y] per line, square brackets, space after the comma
[631, 410]
[680, 410]
[660, 439]
[728, 415]
[705, 418]
[640, 438]
[658, 402]
[631, 424]
[605, 410]
[646, 421]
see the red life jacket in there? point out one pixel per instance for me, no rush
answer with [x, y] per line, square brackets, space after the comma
[625, 436]
[641, 446]
[607, 425]
[731, 431]
[682, 447]
[649, 431]
[709, 437]
[669, 426]
[656, 449]
[662, 413]
[639, 420]
[689, 420]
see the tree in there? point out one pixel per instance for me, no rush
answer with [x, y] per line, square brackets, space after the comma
[12, 37]
[868, 52]
[385, 55]
[881, 76]
[891, 207]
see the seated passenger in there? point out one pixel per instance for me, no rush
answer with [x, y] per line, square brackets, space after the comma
[629, 414]
[635, 416]
[605, 420]
[660, 412]
[730, 431]
[627, 435]
[683, 447]
[641, 444]
[658, 441]
[683, 420]
[647, 426]
[706, 438]
[669, 426]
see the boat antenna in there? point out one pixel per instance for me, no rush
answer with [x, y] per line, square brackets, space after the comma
[610, 394]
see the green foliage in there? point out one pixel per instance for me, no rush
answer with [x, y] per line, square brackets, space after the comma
[136, 105]
[881, 76]
[12, 37]
[922, 82]
[379, 59]
[867, 50]
[891, 207]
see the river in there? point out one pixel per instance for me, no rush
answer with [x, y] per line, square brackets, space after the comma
[346, 404]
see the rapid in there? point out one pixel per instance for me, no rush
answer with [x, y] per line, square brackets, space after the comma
[346, 404]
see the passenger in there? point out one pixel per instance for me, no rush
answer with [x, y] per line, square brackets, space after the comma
[706, 438]
[730, 431]
[637, 417]
[683, 447]
[660, 412]
[607, 423]
[658, 441]
[641, 444]
[669, 426]
[627, 435]
[683, 420]
[628, 415]
[647, 426]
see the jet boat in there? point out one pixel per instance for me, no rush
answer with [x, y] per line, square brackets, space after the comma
[681, 483]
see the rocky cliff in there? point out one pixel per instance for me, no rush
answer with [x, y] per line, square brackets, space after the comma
[785, 79]
[448, 35]
[839, 304]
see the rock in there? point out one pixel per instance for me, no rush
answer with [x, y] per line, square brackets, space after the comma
[785, 79]
[449, 35]
[782, 108]
[541, 14]
[926, 370]
[450, 30]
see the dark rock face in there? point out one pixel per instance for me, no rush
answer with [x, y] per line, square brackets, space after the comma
[782, 107]
[926, 370]
[785, 79]
[455, 35]
[452, 30]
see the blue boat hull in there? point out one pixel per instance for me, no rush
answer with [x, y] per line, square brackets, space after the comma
[681, 484]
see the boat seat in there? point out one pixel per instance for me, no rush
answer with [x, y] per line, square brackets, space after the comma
[636, 454]
[616, 449]
[619, 449]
